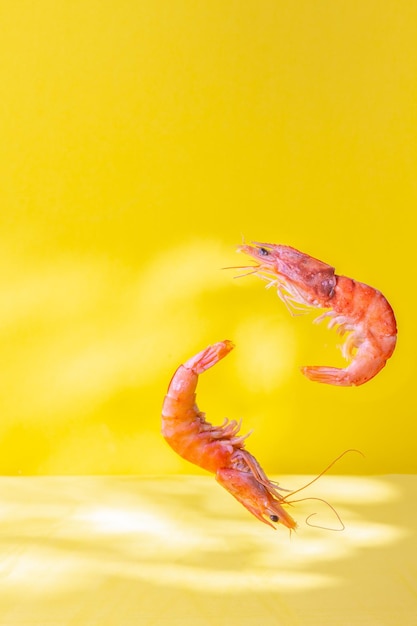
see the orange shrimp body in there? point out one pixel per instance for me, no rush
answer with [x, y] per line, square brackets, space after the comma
[354, 307]
[218, 449]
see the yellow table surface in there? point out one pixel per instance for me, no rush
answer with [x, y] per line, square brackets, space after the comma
[116, 551]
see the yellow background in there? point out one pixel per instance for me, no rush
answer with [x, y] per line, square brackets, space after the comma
[139, 142]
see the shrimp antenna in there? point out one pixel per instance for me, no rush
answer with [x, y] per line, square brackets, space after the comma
[253, 269]
[342, 526]
[326, 469]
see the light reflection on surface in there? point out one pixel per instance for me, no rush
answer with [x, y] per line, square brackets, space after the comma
[119, 521]
[63, 535]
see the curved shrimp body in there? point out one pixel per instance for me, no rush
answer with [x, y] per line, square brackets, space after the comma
[218, 449]
[354, 307]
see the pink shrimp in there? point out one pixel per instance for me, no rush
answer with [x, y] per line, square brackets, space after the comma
[218, 449]
[355, 307]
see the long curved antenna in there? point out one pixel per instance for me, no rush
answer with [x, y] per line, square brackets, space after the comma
[326, 469]
[342, 526]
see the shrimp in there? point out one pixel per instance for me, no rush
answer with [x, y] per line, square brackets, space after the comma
[303, 281]
[218, 449]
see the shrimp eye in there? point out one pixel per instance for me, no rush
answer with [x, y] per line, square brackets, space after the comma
[274, 518]
[263, 252]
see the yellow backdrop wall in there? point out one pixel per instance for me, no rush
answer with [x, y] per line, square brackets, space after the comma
[139, 142]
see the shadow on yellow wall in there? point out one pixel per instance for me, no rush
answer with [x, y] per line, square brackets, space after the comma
[91, 349]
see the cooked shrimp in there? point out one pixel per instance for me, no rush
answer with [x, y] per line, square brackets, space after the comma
[303, 281]
[218, 449]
